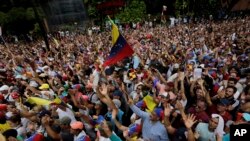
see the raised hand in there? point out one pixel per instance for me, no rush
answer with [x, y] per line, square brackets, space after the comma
[167, 110]
[45, 120]
[103, 89]
[179, 106]
[130, 101]
[72, 91]
[181, 76]
[190, 121]
[125, 133]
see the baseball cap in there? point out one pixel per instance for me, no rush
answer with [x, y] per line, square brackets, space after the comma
[134, 128]
[100, 119]
[117, 103]
[224, 102]
[44, 86]
[4, 88]
[3, 107]
[246, 117]
[159, 112]
[98, 102]
[33, 84]
[15, 95]
[43, 113]
[117, 93]
[76, 125]
[65, 120]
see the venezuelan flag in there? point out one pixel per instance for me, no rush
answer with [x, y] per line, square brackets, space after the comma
[36, 137]
[120, 50]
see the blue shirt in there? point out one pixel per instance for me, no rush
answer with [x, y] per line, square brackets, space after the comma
[153, 131]
[205, 134]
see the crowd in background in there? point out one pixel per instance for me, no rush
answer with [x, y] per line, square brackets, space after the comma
[186, 82]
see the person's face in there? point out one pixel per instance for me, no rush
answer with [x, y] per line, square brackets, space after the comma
[73, 131]
[213, 123]
[199, 93]
[243, 98]
[116, 97]
[97, 106]
[221, 108]
[229, 92]
[245, 107]
[138, 89]
[154, 117]
[200, 106]
[230, 83]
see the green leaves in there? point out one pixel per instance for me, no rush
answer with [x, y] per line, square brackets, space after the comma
[3, 18]
[133, 12]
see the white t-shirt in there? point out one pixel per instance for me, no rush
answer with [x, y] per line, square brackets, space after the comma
[67, 113]
[47, 94]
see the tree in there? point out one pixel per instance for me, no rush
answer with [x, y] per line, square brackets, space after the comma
[3, 18]
[133, 12]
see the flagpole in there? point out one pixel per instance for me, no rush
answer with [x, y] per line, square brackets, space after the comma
[111, 20]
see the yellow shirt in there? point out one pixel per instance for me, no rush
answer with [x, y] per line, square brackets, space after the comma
[4, 127]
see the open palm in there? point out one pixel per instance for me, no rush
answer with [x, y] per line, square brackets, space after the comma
[167, 110]
[103, 89]
[190, 121]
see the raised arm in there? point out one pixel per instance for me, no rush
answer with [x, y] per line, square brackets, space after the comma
[189, 122]
[167, 123]
[117, 123]
[136, 110]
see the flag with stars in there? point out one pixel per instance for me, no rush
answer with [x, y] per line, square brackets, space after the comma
[120, 50]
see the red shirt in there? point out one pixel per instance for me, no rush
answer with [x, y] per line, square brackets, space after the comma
[201, 116]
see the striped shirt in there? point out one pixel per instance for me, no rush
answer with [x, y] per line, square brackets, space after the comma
[151, 131]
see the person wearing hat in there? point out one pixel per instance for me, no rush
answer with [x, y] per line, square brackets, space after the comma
[64, 134]
[4, 90]
[10, 135]
[61, 110]
[222, 110]
[4, 125]
[152, 128]
[15, 123]
[46, 92]
[78, 132]
[130, 133]
[199, 111]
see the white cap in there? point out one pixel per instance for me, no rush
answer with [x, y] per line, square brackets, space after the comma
[4, 88]
[202, 66]
[117, 103]
[33, 84]
[176, 65]
[45, 67]
[165, 94]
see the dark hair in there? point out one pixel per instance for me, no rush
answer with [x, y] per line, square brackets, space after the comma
[15, 119]
[232, 87]
[233, 79]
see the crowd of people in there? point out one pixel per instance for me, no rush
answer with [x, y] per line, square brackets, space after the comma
[186, 82]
